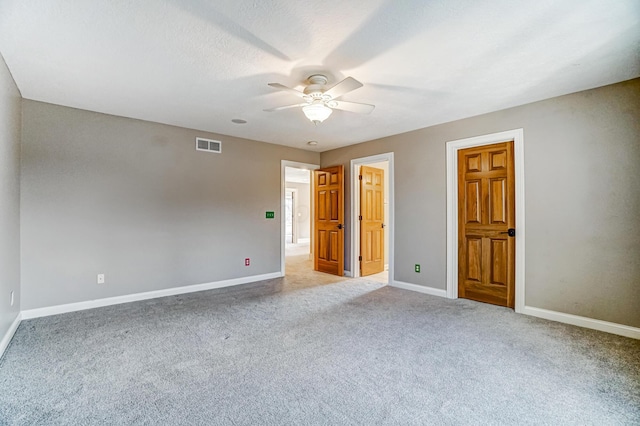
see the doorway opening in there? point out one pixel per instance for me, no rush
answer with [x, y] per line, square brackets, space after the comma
[290, 212]
[372, 210]
[297, 215]
[486, 224]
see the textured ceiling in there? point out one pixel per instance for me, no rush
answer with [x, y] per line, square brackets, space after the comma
[199, 64]
[295, 175]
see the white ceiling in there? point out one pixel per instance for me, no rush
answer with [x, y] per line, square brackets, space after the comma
[295, 175]
[199, 63]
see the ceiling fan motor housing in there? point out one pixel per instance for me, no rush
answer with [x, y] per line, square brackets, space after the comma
[316, 88]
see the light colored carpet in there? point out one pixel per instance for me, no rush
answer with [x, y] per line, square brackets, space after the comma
[298, 258]
[315, 349]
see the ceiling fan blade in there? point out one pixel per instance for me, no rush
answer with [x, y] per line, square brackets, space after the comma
[287, 89]
[354, 107]
[285, 107]
[345, 86]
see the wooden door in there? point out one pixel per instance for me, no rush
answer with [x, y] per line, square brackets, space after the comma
[371, 220]
[486, 213]
[329, 220]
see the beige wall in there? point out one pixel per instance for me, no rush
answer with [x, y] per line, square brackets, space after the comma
[582, 180]
[134, 200]
[10, 108]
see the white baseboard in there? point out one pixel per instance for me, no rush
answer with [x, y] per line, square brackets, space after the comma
[4, 343]
[419, 288]
[347, 274]
[609, 327]
[98, 303]
[594, 324]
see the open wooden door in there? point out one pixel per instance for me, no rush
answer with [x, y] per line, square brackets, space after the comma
[371, 220]
[486, 224]
[328, 189]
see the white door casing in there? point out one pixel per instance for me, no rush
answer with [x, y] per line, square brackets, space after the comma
[452, 147]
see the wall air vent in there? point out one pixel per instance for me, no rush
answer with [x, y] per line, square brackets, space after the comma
[208, 145]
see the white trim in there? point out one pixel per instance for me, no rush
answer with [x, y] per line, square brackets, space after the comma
[355, 211]
[297, 165]
[4, 343]
[419, 288]
[347, 274]
[594, 324]
[608, 327]
[98, 303]
[517, 136]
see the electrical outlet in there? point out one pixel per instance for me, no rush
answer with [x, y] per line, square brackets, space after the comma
[11, 298]
[100, 278]
[417, 268]
[247, 262]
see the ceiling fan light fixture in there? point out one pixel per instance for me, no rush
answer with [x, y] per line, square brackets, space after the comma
[317, 112]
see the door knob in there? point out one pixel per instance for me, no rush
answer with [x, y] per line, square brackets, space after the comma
[340, 226]
[510, 232]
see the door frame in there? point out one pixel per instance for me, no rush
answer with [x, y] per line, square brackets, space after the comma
[295, 164]
[355, 211]
[452, 147]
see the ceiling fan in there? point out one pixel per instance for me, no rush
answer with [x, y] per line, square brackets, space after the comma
[320, 101]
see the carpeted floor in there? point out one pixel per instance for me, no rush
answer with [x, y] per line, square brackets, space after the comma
[315, 349]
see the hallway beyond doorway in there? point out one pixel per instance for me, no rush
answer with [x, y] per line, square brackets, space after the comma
[299, 265]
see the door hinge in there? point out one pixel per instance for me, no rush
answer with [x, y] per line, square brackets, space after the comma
[360, 217]
[360, 177]
[360, 258]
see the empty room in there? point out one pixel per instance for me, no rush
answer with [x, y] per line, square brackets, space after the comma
[334, 212]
